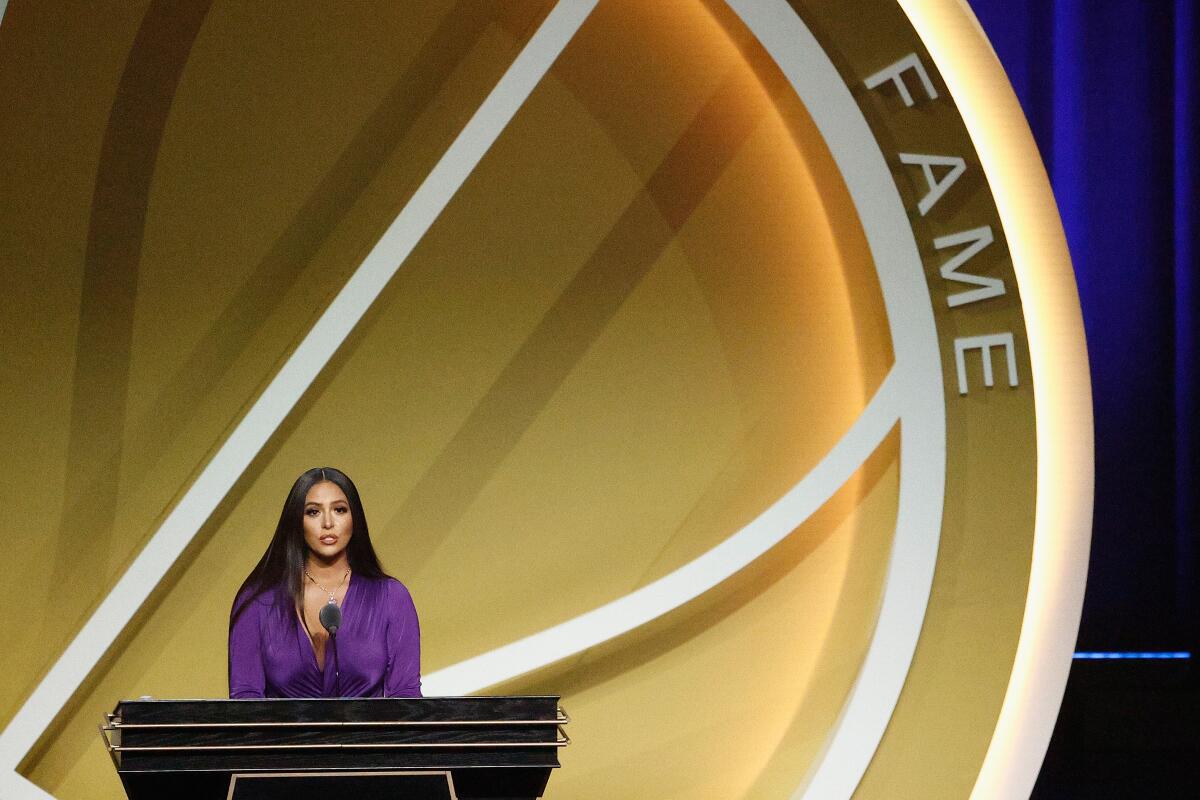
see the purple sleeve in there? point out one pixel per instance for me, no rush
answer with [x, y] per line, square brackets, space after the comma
[403, 677]
[246, 676]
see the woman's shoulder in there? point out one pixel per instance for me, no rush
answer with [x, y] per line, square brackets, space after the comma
[254, 598]
[389, 588]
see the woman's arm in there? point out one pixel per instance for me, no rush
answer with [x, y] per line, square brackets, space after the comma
[403, 678]
[247, 678]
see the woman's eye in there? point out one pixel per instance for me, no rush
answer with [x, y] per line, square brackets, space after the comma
[312, 512]
[341, 510]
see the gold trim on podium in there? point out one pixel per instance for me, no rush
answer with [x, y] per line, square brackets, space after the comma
[233, 779]
[113, 724]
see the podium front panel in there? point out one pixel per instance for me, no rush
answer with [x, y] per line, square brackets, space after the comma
[459, 747]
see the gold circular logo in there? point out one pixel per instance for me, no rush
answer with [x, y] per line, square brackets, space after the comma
[715, 365]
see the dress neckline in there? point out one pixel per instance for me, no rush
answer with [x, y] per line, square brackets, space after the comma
[303, 632]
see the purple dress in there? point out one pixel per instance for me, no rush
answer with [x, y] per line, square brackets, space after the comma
[378, 646]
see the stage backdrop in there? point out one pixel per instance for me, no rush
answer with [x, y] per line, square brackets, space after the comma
[708, 364]
[1112, 93]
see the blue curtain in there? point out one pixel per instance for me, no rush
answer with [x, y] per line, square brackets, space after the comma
[1111, 90]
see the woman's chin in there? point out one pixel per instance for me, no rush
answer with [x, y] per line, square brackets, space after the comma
[328, 553]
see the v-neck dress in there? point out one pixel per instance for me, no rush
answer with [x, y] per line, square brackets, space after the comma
[378, 646]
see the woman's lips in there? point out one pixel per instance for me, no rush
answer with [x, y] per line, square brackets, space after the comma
[328, 540]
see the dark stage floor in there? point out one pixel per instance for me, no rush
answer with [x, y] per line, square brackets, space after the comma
[1128, 729]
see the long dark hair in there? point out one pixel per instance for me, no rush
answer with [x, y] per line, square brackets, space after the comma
[281, 568]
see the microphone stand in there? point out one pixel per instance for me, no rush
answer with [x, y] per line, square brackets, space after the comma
[337, 672]
[331, 620]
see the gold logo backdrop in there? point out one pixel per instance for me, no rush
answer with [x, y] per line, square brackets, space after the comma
[649, 312]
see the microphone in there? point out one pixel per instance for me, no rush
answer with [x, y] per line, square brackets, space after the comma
[331, 618]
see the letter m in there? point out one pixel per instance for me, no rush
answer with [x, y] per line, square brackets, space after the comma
[976, 239]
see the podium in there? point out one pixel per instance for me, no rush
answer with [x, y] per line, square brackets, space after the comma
[448, 748]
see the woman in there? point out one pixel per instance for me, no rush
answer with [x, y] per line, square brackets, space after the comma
[321, 554]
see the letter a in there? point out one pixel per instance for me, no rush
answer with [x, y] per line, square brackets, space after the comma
[936, 188]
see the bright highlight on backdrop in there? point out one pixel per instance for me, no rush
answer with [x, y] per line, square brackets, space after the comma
[726, 375]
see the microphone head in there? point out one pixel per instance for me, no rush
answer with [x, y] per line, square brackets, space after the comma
[331, 618]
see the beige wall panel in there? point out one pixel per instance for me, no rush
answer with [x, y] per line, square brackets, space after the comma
[224, 265]
[733, 694]
[58, 71]
[648, 313]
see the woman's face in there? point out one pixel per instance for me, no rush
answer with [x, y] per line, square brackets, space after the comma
[327, 520]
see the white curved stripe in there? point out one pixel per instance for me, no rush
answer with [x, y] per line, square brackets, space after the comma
[692, 579]
[1062, 523]
[868, 709]
[17, 787]
[278, 399]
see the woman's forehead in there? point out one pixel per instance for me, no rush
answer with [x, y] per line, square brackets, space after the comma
[324, 492]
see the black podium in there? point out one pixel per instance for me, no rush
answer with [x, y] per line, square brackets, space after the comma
[391, 749]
